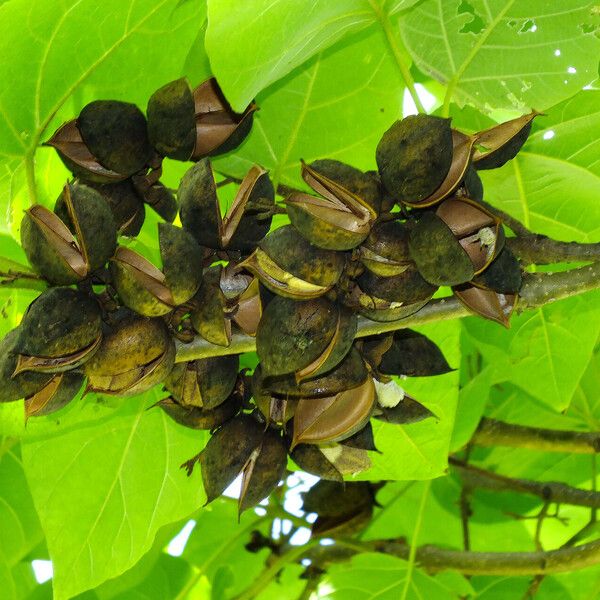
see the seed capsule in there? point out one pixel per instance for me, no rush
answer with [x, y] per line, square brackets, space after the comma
[136, 353]
[364, 185]
[189, 125]
[333, 418]
[456, 243]
[290, 266]
[304, 338]
[487, 303]
[414, 157]
[202, 418]
[385, 251]
[149, 291]
[205, 383]
[107, 143]
[246, 222]
[339, 220]
[61, 330]
[49, 242]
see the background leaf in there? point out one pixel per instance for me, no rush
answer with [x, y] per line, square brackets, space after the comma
[505, 54]
[132, 456]
[324, 110]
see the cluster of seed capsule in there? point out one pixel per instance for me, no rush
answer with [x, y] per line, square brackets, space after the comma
[377, 244]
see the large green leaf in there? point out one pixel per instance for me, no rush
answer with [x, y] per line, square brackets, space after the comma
[552, 186]
[253, 44]
[324, 110]
[546, 350]
[504, 53]
[420, 450]
[74, 51]
[104, 481]
[20, 526]
[369, 576]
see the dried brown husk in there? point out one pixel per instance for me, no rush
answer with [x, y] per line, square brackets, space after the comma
[364, 185]
[218, 128]
[487, 303]
[205, 383]
[227, 452]
[410, 353]
[57, 393]
[140, 285]
[462, 147]
[136, 353]
[116, 134]
[497, 145]
[468, 220]
[248, 310]
[414, 157]
[208, 316]
[333, 418]
[278, 410]
[195, 417]
[250, 215]
[61, 330]
[385, 251]
[15, 387]
[263, 470]
[503, 275]
[78, 158]
[407, 411]
[310, 459]
[339, 220]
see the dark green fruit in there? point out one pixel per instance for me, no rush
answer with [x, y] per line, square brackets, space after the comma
[116, 134]
[414, 156]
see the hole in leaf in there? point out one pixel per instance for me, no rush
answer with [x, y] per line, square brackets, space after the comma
[528, 26]
[476, 24]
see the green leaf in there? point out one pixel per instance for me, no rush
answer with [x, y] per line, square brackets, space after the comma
[420, 450]
[586, 400]
[502, 53]
[546, 350]
[553, 184]
[253, 44]
[104, 482]
[20, 526]
[324, 110]
[471, 403]
[368, 576]
[70, 53]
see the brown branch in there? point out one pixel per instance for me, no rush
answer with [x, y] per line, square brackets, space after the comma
[541, 250]
[548, 491]
[498, 433]
[434, 559]
[538, 289]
